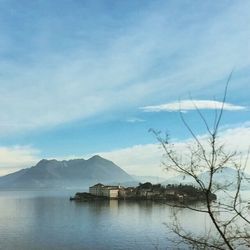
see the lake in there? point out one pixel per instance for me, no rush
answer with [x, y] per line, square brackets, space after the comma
[48, 220]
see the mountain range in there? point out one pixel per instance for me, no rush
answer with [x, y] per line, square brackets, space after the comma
[80, 173]
[66, 174]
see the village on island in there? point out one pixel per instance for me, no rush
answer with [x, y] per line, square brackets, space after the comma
[144, 191]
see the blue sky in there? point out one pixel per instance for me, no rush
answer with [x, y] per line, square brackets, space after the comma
[78, 77]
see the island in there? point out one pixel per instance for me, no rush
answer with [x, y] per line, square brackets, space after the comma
[144, 191]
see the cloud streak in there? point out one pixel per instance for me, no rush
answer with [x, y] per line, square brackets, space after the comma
[135, 120]
[187, 105]
[99, 66]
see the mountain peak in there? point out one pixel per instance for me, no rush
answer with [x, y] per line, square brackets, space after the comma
[45, 162]
[71, 173]
[96, 157]
[42, 162]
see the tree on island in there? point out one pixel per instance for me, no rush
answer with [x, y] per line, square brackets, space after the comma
[146, 185]
[230, 216]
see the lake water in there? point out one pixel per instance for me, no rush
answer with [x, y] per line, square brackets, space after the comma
[48, 220]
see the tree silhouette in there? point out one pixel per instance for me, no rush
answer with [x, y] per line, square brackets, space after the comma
[229, 216]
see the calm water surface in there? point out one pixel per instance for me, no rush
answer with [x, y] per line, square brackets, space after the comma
[48, 220]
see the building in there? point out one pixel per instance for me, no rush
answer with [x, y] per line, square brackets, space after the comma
[145, 191]
[96, 189]
[111, 192]
[170, 191]
[99, 189]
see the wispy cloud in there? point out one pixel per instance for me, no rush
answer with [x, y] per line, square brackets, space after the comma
[102, 65]
[186, 105]
[134, 120]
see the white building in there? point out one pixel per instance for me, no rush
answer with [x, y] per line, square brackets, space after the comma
[111, 192]
[108, 191]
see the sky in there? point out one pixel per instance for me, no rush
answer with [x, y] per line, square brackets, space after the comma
[79, 78]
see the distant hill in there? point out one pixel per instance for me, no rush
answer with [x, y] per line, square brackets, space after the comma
[226, 176]
[66, 174]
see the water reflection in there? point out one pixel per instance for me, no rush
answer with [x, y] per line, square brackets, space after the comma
[36, 221]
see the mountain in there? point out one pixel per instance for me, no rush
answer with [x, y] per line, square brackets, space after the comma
[224, 177]
[66, 174]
